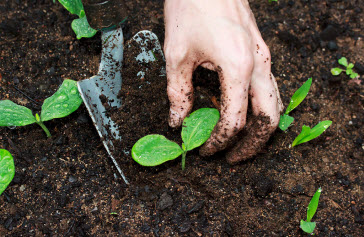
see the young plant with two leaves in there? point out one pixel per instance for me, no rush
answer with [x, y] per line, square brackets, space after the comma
[308, 226]
[80, 26]
[153, 150]
[61, 104]
[285, 120]
[348, 68]
[307, 134]
[7, 169]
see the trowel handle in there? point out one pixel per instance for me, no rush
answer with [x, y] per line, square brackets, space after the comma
[112, 52]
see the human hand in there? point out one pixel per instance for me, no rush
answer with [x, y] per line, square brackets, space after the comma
[222, 35]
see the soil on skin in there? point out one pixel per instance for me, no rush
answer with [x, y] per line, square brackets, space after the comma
[66, 185]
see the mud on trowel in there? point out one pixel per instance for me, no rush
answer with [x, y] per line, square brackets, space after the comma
[105, 86]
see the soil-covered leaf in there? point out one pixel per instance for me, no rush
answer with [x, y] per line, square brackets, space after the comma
[153, 150]
[197, 127]
[284, 121]
[73, 6]
[312, 207]
[62, 103]
[12, 114]
[307, 226]
[7, 169]
[308, 134]
[82, 28]
[299, 96]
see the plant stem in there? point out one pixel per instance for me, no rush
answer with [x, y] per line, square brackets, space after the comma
[184, 159]
[41, 124]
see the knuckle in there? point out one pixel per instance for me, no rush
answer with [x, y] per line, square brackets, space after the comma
[265, 51]
[175, 55]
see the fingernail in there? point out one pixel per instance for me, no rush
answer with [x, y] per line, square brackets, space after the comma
[174, 118]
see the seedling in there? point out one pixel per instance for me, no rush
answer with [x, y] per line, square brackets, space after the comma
[153, 150]
[308, 226]
[349, 68]
[80, 26]
[7, 169]
[270, 1]
[61, 104]
[286, 120]
[307, 134]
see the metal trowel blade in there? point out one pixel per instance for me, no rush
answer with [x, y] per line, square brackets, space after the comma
[102, 90]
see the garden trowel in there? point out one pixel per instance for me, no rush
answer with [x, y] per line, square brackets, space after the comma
[100, 92]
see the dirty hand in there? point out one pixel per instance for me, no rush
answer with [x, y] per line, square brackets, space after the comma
[222, 35]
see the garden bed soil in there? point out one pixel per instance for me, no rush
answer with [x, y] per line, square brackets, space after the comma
[67, 186]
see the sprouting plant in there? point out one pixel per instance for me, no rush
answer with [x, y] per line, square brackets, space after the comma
[80, 26]
[62, 103]
[307, 134]
[349, 68]
[153, 150]
[308, 226]
[270, 1]
[286, 120]
[7, 169]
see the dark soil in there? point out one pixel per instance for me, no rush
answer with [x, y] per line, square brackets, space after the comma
[67, 186]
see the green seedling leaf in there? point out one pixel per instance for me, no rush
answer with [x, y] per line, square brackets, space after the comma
[7, 169]
[64, 102]
[285, 121]
[343, 61]
[350, 66]
[197, 127]
[82, 28]
[12, 114]
[299, 96]
[153, 150]
[312, 207]
[304, 133]
[354, 75]
[73, 6]
[336, 71]
[312, 134]
[307, 226]
[349, 71]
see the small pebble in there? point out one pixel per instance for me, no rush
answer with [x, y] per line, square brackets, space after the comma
[332, 46]
[165, 201]
[22, 188]
[72, 179]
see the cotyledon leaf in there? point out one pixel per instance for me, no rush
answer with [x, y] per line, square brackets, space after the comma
[73, 6]
[7, 169]
[12, 114]
[299, 96]
[62, 103]
[307, 226]
[343, 61]
[82, 28]
[284, 121]
[197, 127]
[153, 150]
